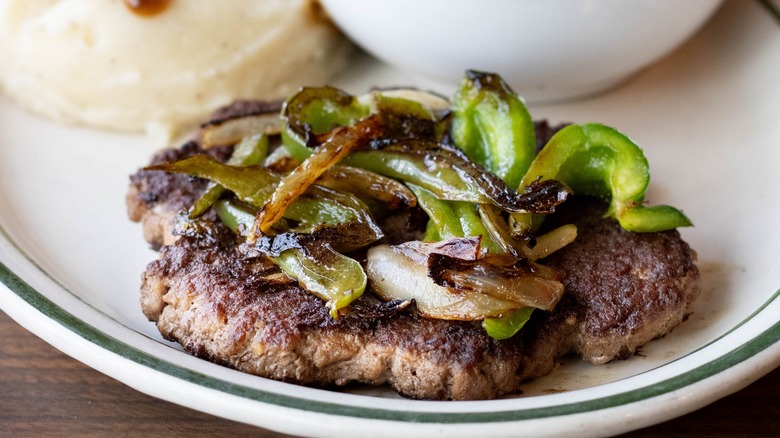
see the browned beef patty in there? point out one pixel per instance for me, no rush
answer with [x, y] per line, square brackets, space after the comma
[622, 290]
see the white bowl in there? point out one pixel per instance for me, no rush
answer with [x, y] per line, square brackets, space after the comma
[547, 50]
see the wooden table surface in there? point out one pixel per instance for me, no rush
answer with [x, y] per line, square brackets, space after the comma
[43, 392]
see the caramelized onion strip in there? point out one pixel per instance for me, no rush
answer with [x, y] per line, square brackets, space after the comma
[341, 143]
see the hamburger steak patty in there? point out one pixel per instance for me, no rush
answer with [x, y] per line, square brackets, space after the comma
[622, 290]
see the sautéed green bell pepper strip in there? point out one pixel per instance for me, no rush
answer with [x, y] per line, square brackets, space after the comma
[597, 160]
[493, 127]
[334, 277]
[251, 150]
[325, 273]
[448, 219]
[315, 111]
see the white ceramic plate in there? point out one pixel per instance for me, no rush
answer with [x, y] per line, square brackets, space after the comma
[707, 118]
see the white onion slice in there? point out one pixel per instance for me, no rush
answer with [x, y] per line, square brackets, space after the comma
[396, 276]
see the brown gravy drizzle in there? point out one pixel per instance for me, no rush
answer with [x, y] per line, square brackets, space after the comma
[147, 8]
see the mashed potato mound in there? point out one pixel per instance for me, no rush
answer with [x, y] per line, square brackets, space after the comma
[100, 64]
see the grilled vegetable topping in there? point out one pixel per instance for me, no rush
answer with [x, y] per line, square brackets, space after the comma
[346, 161]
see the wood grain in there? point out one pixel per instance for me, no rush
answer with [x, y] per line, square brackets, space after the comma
[43, 392]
